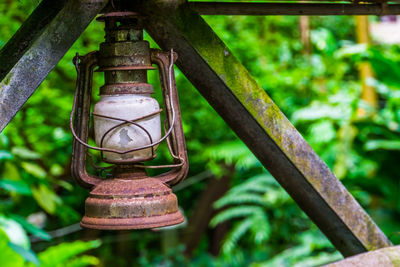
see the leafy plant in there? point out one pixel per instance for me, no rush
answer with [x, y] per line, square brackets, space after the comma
[246, 202]
[311, 249]
[65, 254]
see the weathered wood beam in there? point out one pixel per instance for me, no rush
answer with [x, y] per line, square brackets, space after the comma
[312, 9]
[44, 49]
[256, 119]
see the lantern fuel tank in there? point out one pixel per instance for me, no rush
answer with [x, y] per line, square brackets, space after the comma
[109, 133]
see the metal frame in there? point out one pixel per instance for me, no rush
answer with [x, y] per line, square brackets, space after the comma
[229, 88]
[311, 9]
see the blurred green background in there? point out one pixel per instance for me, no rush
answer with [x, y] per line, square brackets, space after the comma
[237, 214]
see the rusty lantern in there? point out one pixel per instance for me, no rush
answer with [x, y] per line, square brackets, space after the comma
[127, 130]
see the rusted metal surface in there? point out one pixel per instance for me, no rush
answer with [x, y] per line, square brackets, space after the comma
[46, 50]
[129, 199]
[81, 122]
[312, 9]
[127, 88]
[178, 148]
[117, 204]
[385, 257]
[250, 112]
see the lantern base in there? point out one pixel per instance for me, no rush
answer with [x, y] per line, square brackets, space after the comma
[123, 204]
[132, 223]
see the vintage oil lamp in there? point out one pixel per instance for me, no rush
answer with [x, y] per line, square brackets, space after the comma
[127, 130]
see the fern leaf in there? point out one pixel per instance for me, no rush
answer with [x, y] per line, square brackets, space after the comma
[235, 212]
[245, 198]
[251, 187]
[276, 197]
[260, 228]
[233, 152]
[234, 236]
[259, 184]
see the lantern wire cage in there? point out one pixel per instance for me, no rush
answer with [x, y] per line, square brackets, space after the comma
[167, 84]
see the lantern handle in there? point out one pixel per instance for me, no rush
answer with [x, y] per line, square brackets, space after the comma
[176, 141]
[80, 122]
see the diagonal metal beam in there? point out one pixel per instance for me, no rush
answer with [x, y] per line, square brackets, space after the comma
[43, 49]
[255, 118]
[27, 34]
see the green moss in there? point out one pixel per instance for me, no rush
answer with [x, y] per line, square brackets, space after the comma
[6, 80]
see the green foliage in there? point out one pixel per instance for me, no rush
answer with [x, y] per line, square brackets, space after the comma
[30, 228]
[232, 152]
[66, 254]
[15, 233]
[249, 204]
[242, 211]
[308, 252]
[9, 258]
[319, 92]
[19, 187]
[46, 198]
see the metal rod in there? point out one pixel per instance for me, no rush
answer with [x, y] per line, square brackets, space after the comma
[255, 118]
[55, 38]
[314, 9]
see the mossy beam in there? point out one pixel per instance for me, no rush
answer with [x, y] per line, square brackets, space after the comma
[45, 12]
[385, 257]
[250, 112]
[47, 47]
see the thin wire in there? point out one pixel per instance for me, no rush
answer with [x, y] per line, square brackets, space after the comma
[170, 148]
